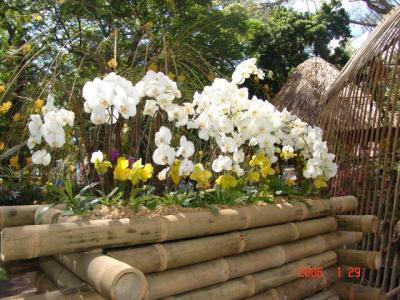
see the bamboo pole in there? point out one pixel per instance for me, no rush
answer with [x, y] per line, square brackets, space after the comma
[41, 281]
[351, 291]
[17, 267]
[367, 259]
[42, 240]
[83, 293]
[17, 215]
[46, 215]
[327, 294]
[59, 274]
[300, 288]
[162, 256]
[175, 281]
[364, 223]
[249, 285]
[111, 278]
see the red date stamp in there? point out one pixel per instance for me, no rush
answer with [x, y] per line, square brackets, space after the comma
[318, 272]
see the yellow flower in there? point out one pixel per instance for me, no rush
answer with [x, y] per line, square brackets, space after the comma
[153, 67]
[287, 153]
[37, 106]
[140, 172]
[267, 170]
[14, 162]
[171, 75]
[28, 161]
[201, 176]
[26, 48]
[112, 63]
[121, 171]
[37, 17]
[102, 166]
[174, 171]
[2, 88]
[320, 182]
[290, 182]
[258, 159]
[226, 181]
[254, 176]
[17, 117]
[5, 107]
[181, 78]
[2, 146]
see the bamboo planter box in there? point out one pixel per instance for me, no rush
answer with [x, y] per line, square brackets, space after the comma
[243, 252]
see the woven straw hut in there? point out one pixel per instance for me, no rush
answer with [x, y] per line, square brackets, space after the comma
[362, 126]
[303, 91]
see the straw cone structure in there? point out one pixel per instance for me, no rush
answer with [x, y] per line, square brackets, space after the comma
[50, 239]
[303, 92]
[361, 123]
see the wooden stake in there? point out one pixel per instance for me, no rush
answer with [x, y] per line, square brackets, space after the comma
[366, 259]
[111, 278]
[365, 223]
[17, 215]
[162, 256]
[40, 240]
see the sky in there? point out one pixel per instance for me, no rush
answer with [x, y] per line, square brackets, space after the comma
[354, 8]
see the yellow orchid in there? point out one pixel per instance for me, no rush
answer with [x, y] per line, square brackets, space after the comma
[174, 171]
[290, 182]
[266, 169]
[5, 107]
[254, 176]
[37, 105]
[320, 182]
[121, 171]
[14, 162]
[201, 176]
[112, 63]
[140, 172]
[2, 88]
[146, 172]
[258, 159]
[226, 181]
[102, 166]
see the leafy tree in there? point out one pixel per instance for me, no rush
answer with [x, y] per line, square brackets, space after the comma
[288, 37]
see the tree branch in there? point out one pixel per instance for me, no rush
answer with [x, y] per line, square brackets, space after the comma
[363, 23]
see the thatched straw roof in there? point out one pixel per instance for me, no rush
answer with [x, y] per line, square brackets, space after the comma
[303, 92]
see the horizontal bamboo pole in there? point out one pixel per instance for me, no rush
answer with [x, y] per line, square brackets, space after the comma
[59, 274]
[17, 215]
[83, 293]
[367, 259]
[351, 291]
[364, 223]
[17, 267]
[327, 294]
[159, 257]
[298, 289]
[41, 281]
[47, 215]
[41, 240]
[249, 285]
[175, 281]
[111, 278]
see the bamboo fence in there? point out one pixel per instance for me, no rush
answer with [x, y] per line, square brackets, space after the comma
[361, 123]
